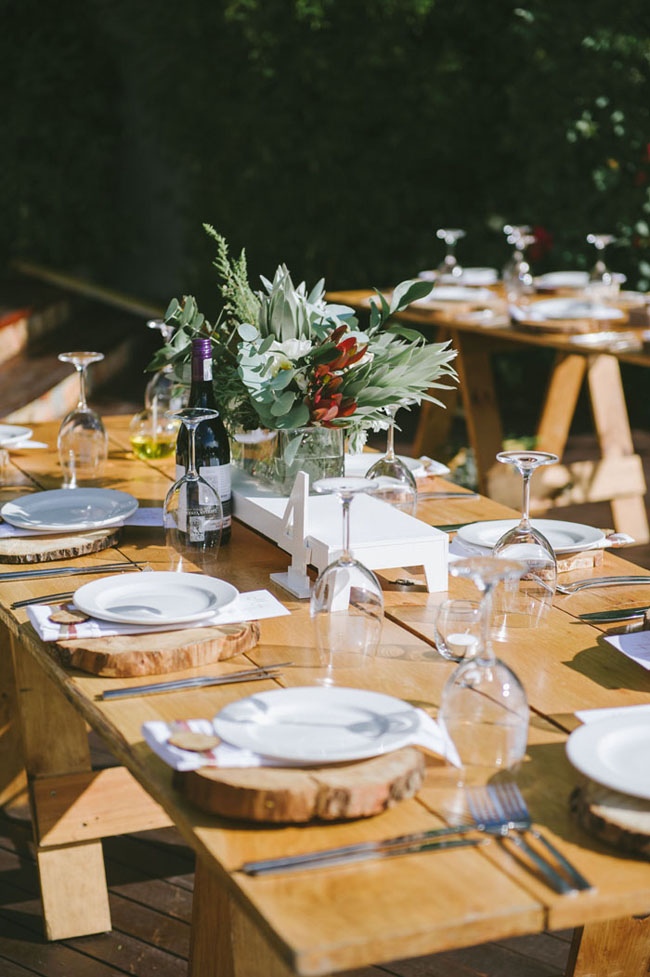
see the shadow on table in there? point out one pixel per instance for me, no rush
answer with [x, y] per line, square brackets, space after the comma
[609, 668]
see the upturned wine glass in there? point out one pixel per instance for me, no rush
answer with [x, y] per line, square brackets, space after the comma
[483, 705]
[82, 441]
[192, 513]
[517, 276]
[395, 481]
[162, 393]
[603, 285]
[450, 266]
[524, 602]
[347, 606]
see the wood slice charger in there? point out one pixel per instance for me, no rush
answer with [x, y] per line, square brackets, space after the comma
[56, 546]
[616, 819]
[296, 795]
[131, 655]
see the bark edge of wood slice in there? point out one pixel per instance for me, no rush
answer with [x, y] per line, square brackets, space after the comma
[292, 795]
[58, 546]
[132, 655]
[619, 820]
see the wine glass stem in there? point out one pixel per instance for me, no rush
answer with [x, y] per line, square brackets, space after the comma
[191, 469]
[346, 556]
[390, 443]
[81, 370]
[486, 616]
[525, 506]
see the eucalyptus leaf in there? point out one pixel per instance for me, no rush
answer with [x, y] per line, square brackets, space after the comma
[407, 292]
[297, 417]
[283, 404]
[265, 345]
[247, 332]
[172, 309]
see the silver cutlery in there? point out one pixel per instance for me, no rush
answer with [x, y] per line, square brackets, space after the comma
[447, 495]
[358, 855]
[452, 527]
[622, 614]
[509, 799]
[197, 682]
[572, 588]
[45, 599]
[18, 575]
[484, 806]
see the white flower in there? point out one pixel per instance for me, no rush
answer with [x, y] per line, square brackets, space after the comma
[283, 356]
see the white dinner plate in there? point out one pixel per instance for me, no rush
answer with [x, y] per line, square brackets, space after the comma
[614, 752]
[456, 293]
[468, 276]
[573, 309]
[564, 537]
[318, 725]
[563, 279]
[157, 598]
[360, 463]
[69, 510]
[13, 434]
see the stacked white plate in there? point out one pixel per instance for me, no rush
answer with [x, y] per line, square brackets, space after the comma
[69, 510]
[360, 463]
[615, 751]
[572, 309]
[13, 434]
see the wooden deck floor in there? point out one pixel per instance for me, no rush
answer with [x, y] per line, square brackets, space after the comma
[150, 879]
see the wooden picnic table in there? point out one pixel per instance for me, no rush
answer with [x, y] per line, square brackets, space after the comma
[617, 477]
[316, 922]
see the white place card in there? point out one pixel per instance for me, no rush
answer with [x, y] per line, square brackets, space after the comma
[635, 645]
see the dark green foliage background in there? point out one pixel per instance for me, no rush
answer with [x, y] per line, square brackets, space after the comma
[335, 135]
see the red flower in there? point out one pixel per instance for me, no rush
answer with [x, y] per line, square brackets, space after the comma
[543, 243]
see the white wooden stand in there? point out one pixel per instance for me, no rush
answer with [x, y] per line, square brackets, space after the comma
[310, 528]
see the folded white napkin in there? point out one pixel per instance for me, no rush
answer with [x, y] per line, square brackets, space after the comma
[251, 606]
[430, 735]
[21, 445]
[595, 715]
[635, 645]
[144, 516]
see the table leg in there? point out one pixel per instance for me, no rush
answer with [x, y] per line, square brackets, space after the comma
[55, 741]
[615, 438]
[617, 948]
[560, 402]
[480, 402]
[434, 423]
[13, 780]
[225, 943]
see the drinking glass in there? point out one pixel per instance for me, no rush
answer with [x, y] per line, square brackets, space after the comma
[517, 276]
[449, 266]
[347, 605]
[192, 513]
[162, 390]
[603, 286]
[82, 441]
[395, 481]
[153, 432]
[457, 629]
[483, 705]
[524, 602]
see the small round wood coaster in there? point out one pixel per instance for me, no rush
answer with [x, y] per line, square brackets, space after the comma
[55, 546]
[295, 795]
[617, 819]
[67, 615]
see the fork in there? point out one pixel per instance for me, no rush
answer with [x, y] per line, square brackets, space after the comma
[484, 806]
[514, 807]
[573, 588]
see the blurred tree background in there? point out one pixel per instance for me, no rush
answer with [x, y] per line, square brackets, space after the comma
[334, 135]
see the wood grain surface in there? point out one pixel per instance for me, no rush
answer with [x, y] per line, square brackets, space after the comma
[130, 655]
[43, 549]
[296, 795]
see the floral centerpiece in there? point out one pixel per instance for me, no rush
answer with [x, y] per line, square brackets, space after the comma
[294, 373]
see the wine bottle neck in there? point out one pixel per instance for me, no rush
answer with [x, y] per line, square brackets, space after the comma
[202, 394]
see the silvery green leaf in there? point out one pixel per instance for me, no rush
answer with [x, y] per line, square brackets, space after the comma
[247, 331]
[283, 379]
[411, 334]
[344, 311]
[265, 345]
[172, 309]
[407, 292]
[316, 292]
[298, 416]
[283, 404]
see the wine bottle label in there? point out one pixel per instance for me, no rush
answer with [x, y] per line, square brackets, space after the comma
[218, 477]
[201, 522]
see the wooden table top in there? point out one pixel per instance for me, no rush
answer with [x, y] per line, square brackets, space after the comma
[339, 918]
[450, 318]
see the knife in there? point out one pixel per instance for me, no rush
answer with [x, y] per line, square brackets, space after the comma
[18, 575]
[196, 682]
[622, 614]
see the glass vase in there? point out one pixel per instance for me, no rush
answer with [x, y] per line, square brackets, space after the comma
[275, 457]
